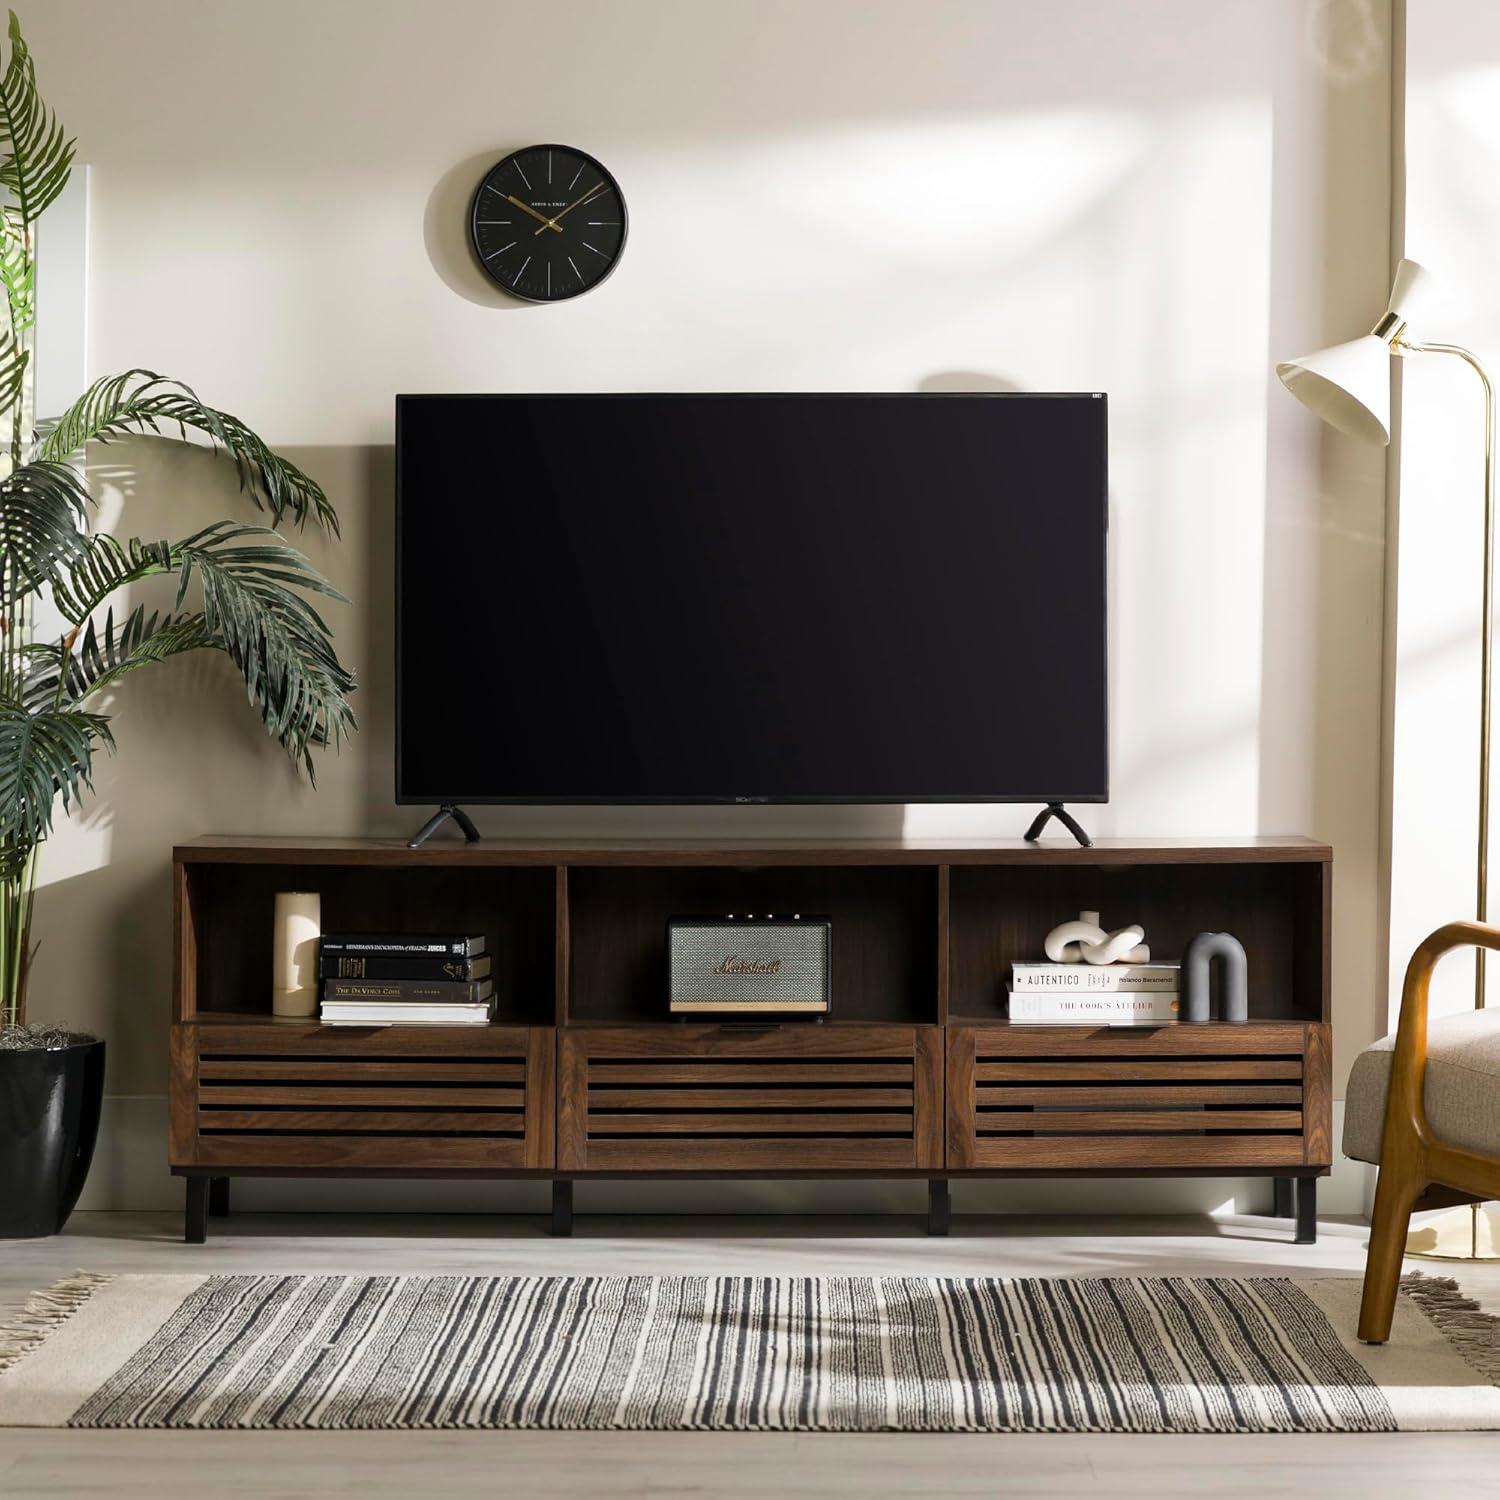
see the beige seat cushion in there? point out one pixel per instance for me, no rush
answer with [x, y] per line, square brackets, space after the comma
[1462, 1087]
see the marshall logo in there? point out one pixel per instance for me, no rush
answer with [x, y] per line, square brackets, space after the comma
[734, 964]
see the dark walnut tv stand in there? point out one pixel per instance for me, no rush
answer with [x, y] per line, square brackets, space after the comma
[916, 1074]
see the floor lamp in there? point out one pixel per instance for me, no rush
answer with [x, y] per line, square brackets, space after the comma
[1349, 386]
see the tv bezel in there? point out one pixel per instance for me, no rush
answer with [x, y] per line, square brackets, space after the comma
[475, 799]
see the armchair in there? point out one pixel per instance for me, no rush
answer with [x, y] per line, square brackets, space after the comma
[1425, 1105]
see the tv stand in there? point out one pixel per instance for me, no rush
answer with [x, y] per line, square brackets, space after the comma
[1063, 816]
[917, 1074]
[436, 821]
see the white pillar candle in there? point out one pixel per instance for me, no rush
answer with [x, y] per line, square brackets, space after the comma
[294, 973]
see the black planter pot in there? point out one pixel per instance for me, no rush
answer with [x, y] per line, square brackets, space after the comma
[49, 1120]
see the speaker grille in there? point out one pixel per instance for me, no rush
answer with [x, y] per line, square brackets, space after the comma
[749, 965]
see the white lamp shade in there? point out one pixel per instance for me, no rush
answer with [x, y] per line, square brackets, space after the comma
[1409, 289]
[1348, 385]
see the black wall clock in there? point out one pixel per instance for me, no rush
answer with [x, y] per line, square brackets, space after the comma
[548, 223]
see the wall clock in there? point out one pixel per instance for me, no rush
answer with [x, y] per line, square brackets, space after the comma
[548, 223]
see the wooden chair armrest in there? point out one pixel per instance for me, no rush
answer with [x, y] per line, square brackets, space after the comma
[1409, 1063]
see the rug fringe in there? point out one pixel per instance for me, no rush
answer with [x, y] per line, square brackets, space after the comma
[44, 1312]
[1472, 1331]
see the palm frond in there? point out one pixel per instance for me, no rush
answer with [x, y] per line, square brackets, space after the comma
[18, 278]
[42, 507]
[253, 585]
[35, 156]
[35, 681]
[104, 566]
[13, 361]
[104, 654]
[43, 755]
[283, 649]
[141, 401]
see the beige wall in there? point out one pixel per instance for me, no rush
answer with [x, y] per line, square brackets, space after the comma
[1150, 197]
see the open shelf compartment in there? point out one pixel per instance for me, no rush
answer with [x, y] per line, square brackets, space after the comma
[229, 919]
[885, 933]
[1001, 914]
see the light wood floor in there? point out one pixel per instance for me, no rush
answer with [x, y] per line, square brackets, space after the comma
[682, 1465]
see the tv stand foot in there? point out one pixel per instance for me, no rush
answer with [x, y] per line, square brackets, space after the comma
[1063, 816]
[939, 1206]
[1306, 1232]
[195, 1211]
[1282, 1207]
[562, 1208]
[436, 821]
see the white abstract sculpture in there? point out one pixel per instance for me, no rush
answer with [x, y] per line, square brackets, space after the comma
[1087, 942]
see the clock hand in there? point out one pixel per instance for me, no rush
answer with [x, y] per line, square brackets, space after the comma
[552, 223]
[527, 208]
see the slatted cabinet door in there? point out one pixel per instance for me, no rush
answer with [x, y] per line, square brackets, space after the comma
[790, 1098]
[397, 1097]
[1076, 1097]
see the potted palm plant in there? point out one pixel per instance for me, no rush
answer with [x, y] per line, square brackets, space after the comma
[69, 634]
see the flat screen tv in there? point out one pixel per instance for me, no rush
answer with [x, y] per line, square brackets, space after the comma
[751, 598]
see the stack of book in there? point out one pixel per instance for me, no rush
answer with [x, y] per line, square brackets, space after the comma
[1083, 994]
[405, 979]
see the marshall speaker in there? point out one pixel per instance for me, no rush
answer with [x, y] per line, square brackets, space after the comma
[749, 965]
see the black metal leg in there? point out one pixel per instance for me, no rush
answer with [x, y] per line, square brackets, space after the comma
[1063, 816]
[436, 821]
[1307, 1211]
[939, 1206]
[1283, 1205]
[562, 1208]
[195, 1215]
[218, 1197]
[465, 824]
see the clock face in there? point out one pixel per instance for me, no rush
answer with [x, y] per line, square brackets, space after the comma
[548, 223]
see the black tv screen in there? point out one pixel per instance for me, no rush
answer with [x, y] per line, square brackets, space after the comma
[751, 598]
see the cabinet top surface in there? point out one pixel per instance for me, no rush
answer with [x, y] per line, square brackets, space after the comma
[1259, 848]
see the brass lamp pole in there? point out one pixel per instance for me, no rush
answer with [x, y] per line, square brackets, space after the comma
[1348, 385]
[1486, 633]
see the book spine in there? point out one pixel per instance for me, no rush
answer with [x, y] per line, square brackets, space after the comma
[480, 1018]
[1077, 1009]
[1092, 978]
[390, 966]
[449, 991]
[348, 1011]
[417, 945]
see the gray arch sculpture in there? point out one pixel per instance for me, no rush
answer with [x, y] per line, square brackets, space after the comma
[1234, 987]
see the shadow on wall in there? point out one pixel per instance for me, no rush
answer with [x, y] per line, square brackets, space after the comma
[103, 960]
[445, 234]
[966, 380]
[375, 604]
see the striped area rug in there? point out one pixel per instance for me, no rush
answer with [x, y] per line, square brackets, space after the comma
[857, 1353]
